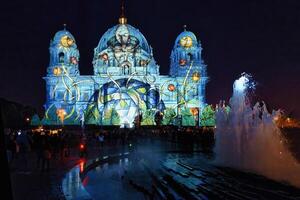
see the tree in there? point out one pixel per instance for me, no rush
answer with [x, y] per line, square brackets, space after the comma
[208, 116]
[115, 118]
[187, 117]
[169, 115]
[107, 117]
[45, 121]
[50, 117]
[35, 120]
[92, 114]
[73, 119]
[148, 117]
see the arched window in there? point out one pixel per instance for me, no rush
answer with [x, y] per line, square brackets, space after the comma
[190, 56]
[61, 57]
[126, 69]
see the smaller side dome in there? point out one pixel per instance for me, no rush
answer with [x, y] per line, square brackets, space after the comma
[186, 39]
[186, 52]
[64, 55]
[64, 38]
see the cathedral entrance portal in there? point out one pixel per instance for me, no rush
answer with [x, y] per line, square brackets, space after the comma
[121, 110]
[124, 99]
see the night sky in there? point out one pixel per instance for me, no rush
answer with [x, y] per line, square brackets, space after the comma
[260, 37]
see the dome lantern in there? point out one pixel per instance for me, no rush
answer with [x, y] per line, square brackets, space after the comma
[122, 18]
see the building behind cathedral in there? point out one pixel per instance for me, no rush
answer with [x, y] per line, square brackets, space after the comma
[126, 87]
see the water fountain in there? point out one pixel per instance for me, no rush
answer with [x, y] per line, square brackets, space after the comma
[248, 139]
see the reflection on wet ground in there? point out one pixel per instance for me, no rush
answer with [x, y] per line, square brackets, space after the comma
[160, 170]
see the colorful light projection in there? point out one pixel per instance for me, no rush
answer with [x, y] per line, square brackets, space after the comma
[125, 99]
[126, 87]
[66, 41]
[61, 113]
[186, 42]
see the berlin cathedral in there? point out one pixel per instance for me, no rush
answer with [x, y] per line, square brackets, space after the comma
[126, 88]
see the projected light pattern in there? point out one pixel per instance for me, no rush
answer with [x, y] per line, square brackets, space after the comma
[128, 97]
[126, 87]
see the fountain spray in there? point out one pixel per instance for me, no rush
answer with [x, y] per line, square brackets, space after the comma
[248, 139]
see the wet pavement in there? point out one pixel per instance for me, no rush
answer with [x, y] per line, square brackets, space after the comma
[153, 169]
[33, 184]
[171, 174]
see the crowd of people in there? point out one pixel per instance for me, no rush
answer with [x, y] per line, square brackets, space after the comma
[48, 146]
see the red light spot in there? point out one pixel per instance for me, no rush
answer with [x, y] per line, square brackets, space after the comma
[182, 62]
[81, 166]
[171, 87]
[81, 146]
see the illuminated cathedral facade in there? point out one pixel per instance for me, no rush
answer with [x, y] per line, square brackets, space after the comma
[126, 88]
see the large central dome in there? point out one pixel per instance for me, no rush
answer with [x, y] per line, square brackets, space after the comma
[112, 32]
[126, 87]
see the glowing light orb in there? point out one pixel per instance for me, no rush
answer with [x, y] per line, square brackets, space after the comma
[66, 41]
[196, 76]
[194, 111]
[61, 113]
[171, 87]
[182, 62]
[103, 57]
[56, 71]
[186, 42]
[143, 62]
[73, 60]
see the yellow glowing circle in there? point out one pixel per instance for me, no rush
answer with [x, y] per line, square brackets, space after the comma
[56, 71]
[194, 111]
[61, 113]
[70, 41]
[196, 76]
[186, 42]
[66, 41]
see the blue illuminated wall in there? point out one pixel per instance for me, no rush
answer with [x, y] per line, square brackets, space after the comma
[126, 87]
